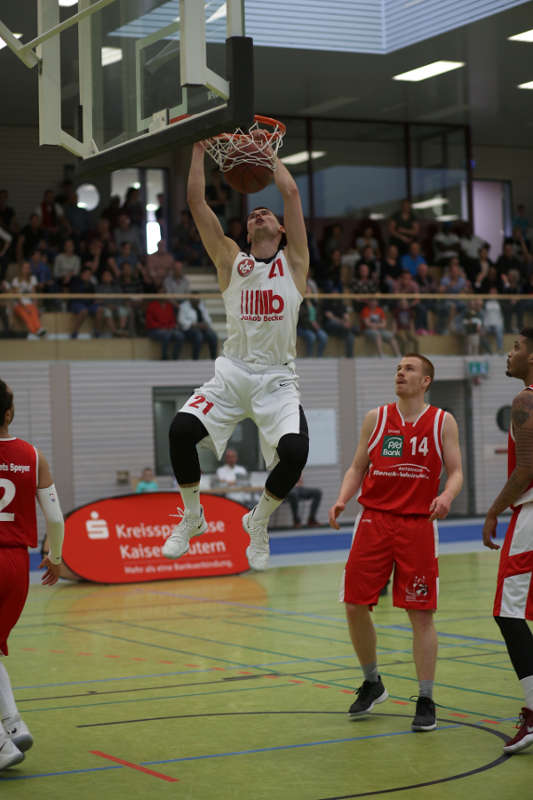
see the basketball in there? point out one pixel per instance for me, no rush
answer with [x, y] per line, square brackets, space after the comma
[250, 177]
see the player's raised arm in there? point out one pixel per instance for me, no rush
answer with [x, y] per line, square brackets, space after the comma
[221, 249]
[451, 456]
[355, 473]
[49, 502]
[294, 224]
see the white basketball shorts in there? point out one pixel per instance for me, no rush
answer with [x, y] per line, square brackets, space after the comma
[270, 397]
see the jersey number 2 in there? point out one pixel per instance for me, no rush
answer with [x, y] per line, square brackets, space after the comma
[9, 494]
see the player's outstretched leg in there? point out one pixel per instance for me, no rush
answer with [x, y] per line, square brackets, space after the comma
[292, 451]
[12, 724]
[185, 432]
[519, 641]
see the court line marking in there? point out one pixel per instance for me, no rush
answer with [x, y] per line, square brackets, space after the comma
[134, 766]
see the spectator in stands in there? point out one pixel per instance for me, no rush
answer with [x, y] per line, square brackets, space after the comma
[333, 272]
[512, 285]
[473, 326]
[493, 320]
[389, 269]
[508, 260]
[112, 212]
[126, 232]
[237, 233]
[521, 222]
[367, 239]
[413, 258]
[97, 260]
[84, 283]
[161, 325]
[479, 269]
[8, 220]
[333, 240]
[217, 194]
[426, 285]
[147, 483]
[470, 246]
[126, 256]
[363, 283]
[131, 283]
[116, 314]
[404, 326]
[78, 218]
[453, 282]
[45, 280]
[182, 231]
[161, 216]
[446, 244]
[6, 241]
[176, 282]
[133, 208]
[520, 245]
[30, 237]
[300, 493]
[338, 323]
[374, 327]
[403, 227]
[159, 264]
[7, 332]
[195, 253]
[104, 233]
[52, 217]
[25, 308]
[369, 258]
[309, 328]
[196, 324]
[66, 265]
[231, 474]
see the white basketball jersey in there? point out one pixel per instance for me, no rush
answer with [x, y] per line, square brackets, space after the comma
[262, 305]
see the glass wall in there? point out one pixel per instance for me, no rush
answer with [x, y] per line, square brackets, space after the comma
[438, 172]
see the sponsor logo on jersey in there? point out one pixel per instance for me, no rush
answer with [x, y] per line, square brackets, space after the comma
[392, 446]
[261, 305]
[245, 266]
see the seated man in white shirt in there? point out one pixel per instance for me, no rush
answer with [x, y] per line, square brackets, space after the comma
[231, 474]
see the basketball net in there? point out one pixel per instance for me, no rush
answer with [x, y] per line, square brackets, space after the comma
[258, 146]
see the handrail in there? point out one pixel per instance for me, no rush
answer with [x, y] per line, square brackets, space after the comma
[211, 295]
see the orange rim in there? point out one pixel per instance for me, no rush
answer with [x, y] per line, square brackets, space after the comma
[278, 133]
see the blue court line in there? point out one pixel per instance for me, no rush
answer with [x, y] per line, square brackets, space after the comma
[447, 635]
[224, 755]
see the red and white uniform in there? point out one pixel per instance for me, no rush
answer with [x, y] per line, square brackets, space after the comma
[255, 378]
[19, 466]
[514, 589]
[394, 528]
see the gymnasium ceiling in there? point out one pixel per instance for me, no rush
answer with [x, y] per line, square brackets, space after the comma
[351, 85]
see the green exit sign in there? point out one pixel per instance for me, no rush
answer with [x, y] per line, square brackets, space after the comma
[477, 368]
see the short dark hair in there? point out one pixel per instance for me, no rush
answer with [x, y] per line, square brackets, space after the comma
[6, 401]
[527, 333]
[427, 367]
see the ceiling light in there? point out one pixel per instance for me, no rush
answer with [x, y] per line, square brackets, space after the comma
[110, 55]
[376, 216]
[67, 3]
[3, 44]
[528, 85]
[447, 217]
[525, 36]
[432, 202]
[428, 71]
[218, 14]
[303, 155]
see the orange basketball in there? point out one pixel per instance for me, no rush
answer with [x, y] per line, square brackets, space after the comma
[250, 177]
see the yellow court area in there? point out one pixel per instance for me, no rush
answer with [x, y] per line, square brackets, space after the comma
[238, 687]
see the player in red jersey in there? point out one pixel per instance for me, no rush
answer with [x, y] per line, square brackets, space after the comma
[24, 477]
[397, 465]
[513, 603]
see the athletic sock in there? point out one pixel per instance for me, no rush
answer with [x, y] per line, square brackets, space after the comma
[8, 707]
[370, 671]
[265, 507]
[527, 686]
[425, 689]
[191, 499]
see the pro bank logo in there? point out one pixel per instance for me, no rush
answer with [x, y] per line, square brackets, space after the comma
[261, 304]
[392, 446]
[97, 528]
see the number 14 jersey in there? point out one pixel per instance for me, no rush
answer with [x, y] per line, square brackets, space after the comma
[405, 461]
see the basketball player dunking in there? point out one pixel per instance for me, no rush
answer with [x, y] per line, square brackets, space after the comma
[24, 477]
[255, 378]
[513, 603]
[398, 462]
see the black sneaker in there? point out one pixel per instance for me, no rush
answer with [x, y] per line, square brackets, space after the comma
[368, 695]
[425, 716]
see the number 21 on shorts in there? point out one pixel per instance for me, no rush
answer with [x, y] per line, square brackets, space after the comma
[199, 400]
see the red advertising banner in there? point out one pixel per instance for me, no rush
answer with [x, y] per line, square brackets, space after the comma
[119, 539]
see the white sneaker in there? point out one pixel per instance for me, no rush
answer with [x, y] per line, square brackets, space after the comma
[258, 551]
[178, 542]
[18, 732]
[9, 753]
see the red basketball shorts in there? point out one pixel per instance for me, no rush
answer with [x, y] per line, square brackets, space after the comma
[514, 590]
[383, 541]
[14, 583]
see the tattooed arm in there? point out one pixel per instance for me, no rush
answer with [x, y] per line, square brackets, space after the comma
[522, 475]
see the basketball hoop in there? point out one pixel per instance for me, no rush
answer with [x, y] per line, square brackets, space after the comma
[257, 147]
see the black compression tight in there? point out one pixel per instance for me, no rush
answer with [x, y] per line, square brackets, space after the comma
[519, 641]
[185, 433]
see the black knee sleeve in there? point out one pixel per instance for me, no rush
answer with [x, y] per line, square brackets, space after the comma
[519, 641]
[292, 450]
[184, 434]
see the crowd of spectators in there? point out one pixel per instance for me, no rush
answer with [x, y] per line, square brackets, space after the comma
[62, 249]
